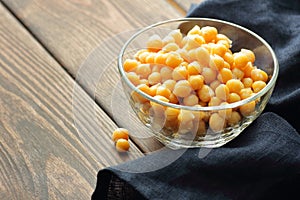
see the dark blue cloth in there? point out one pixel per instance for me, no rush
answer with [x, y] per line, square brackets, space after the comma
[264, 161]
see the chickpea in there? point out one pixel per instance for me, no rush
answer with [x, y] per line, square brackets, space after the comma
[196, 81]
[172, 46]
[182, 88]
[173, 60]
[259, 75]
[194, 68]
[234, 118]
[226, 75]
[234, 85]
[247, 82]
[120, 133]
[222, 92]
[240, 60]
[154, 43]
[163, 91]
[143, 70]
[216, 62]
[179, 73]
[190, 100]
[209, 75]
[166, 73]
[154, 78]
[122, 145]
[258, 86]
[133, 77]
[205, 93]
[170, 84]
[130, 64]
[216, 122]
[247, 109]
[209, 33]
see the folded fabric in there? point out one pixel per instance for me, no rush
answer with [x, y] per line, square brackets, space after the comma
[261, 163]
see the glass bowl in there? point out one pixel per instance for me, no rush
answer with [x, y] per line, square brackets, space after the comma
[180, 125]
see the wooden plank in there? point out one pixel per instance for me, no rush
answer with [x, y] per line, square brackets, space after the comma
[186, 4]
[53, 137]
[74, 30]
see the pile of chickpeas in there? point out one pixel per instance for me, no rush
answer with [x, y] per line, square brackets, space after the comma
[197, 69]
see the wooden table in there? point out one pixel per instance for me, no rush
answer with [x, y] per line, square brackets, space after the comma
[57, 104]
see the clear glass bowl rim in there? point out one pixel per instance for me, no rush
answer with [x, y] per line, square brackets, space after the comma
[268, 87]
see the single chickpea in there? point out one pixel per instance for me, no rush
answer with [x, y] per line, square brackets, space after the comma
[143, 70]
[245, 93]
[247, 109]
[201, 129]
[225, 113]
[213, 85]
[154, 78]
[190, 100]
[240, 60]
[182, 88]
[209, 33]
[258, 86]
[195, 31]
[216, 62]
[172, 46]
[185, 116]
[249, 54]
[226, 74]
[209, 75]
[228, 57]
[180, 73]
[173, 60]
[237, 73]
[163, 91]
[166, 73]
[205, 93]
[248, 69]
[196, 81]
[233, 97]
[214, 101]
[216, 122]
[173, 98]
[176, 34]
[234, 118]
[194, 68]
[202, 56]
[259, 75]
[171, 113]
[219, 49]
[120, 133]
[133, 77]
[234, 85]
[122, 145]
[130, 64]
[154, 43]
[222, 92]
[247, 82]
[170, 84]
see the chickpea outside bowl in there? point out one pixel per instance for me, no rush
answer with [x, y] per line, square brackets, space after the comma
[197, 82]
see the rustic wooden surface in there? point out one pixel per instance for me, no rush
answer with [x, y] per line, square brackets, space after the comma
[58, 105]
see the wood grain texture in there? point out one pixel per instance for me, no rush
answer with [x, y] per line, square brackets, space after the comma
[53, 137]
[186, 4]
[74, 31]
